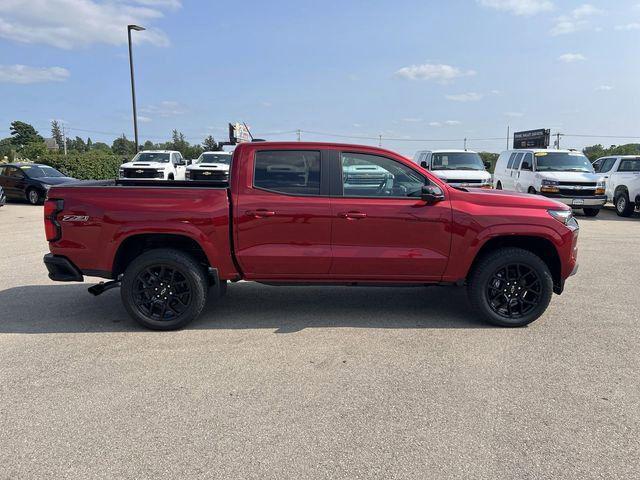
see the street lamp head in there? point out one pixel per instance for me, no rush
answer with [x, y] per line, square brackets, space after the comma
[137, 28]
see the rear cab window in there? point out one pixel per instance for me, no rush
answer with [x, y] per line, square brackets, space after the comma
[629, 165]
[292, 172]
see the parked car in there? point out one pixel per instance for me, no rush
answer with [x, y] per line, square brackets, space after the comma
[167, 245]
[156, 165]
[622, 181]
[3, 198]
[29, 181]
[564, 175]
[459, 168]
[210, 166]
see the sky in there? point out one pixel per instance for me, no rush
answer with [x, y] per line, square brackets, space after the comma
[419, 73]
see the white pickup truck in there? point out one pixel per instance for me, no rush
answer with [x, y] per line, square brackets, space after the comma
[155, 165]
[210, 166]
[622, 181]
[459, 168]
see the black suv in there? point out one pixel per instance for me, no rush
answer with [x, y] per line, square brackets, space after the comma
[29, 181]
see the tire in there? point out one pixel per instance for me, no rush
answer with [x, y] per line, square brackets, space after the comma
[159, 272]
[499, 186]
[34, 197]
[170, 177]
[591, 212]
[505, 300]
[532, 191]
[624, 207]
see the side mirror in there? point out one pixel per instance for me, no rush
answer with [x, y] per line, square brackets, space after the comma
[525, 166]
[423, 164]
[432, 194]
[124, 160]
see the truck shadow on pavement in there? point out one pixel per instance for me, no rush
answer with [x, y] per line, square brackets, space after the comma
[70, 309]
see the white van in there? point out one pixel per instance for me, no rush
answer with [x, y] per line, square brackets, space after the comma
[155, 165]
[564, 175]
[459, 168]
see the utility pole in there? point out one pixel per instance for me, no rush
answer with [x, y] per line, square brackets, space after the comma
[133, 85]
[558, 141]
[299, 135]
[64, 139]
[508, 137]
[380, 140]
[465, 144]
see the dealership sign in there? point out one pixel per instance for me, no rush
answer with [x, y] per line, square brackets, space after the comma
[532, 138]
[239, 133]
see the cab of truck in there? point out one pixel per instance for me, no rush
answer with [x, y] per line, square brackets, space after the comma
[621, 175]
[459, 168]
[566, 176]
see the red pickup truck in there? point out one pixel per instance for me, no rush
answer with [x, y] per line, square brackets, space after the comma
[309, 213]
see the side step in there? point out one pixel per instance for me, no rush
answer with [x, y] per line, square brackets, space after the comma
[103, 287]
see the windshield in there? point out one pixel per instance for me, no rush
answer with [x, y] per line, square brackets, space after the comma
[456, 161]
[214, 158]
[151, 157]
[40, 171]
[562, 162]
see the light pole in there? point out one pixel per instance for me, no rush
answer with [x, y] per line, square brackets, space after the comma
[133, 85]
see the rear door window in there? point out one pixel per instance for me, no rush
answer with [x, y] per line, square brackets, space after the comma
[294, 172]
[629, 165]
[511, 160]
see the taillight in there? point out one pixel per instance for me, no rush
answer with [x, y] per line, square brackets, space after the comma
[52, 228]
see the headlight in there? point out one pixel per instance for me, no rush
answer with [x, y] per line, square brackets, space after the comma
[46, 187]
[600, 188]
[549, 186]
[187, 174]
[121, 172]
[565, 217]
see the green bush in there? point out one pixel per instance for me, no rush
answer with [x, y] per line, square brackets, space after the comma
[94, 165]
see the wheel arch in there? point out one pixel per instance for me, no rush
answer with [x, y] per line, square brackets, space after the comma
[538, 245]
[135, 245]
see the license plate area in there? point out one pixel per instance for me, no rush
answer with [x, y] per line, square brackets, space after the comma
[578, 201]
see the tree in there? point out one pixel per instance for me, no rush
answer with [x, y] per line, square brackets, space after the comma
[89, 144]
[33, 151]
[77, 145]
[23, 134]
[123, 146]
[56, 133]
[101, 146]
[178, 142]
[210, 145]
[149, 145]
[491, 158]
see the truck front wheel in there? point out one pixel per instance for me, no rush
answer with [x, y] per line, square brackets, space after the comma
[164, 289]
[510, 287]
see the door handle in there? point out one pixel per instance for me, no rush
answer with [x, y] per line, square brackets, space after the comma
[352, 215]
[260, 213]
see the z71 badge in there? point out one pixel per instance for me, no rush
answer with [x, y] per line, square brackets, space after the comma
[75, 218]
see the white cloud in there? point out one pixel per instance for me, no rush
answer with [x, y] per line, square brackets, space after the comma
[586, 10]
[435, 124]
[449, 123]
[143, 119]
[72, 24]
[519, 7]
[604, 88]
[25, 74]
[572, 57]
[452, 122]
[429, 71]
[165, 109]
[514, 114]
[465, 97]
[628, 26]
[565, 26]
[412, 120]
[266, 104]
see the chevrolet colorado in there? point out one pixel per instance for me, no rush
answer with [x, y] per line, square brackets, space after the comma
[290, 216]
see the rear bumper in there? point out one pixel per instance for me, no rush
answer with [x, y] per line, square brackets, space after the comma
[579, 202]
[61, 269]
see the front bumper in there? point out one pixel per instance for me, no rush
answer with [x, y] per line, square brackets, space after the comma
[578, 202]
[61, 269]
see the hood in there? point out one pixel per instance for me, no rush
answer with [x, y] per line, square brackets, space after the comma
[55, 180]
[569, 176]
[462, 174]
[144, 165]
[209, 166]
[505, 198]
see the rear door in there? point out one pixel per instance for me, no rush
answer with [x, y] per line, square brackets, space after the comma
[283, 215]
[16, 182]
[628, 176]
[524, 176]
[382, 230]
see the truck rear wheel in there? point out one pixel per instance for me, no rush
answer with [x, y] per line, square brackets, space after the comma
[624, 207]
[510, 287]
[164, 289]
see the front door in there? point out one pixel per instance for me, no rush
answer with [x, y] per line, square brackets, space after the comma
[382, 230]
[284, 217]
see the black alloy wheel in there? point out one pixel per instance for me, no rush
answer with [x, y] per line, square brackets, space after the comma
[514, 291]
[161, 293]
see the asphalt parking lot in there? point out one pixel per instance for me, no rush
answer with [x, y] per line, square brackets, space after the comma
[307, 382]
